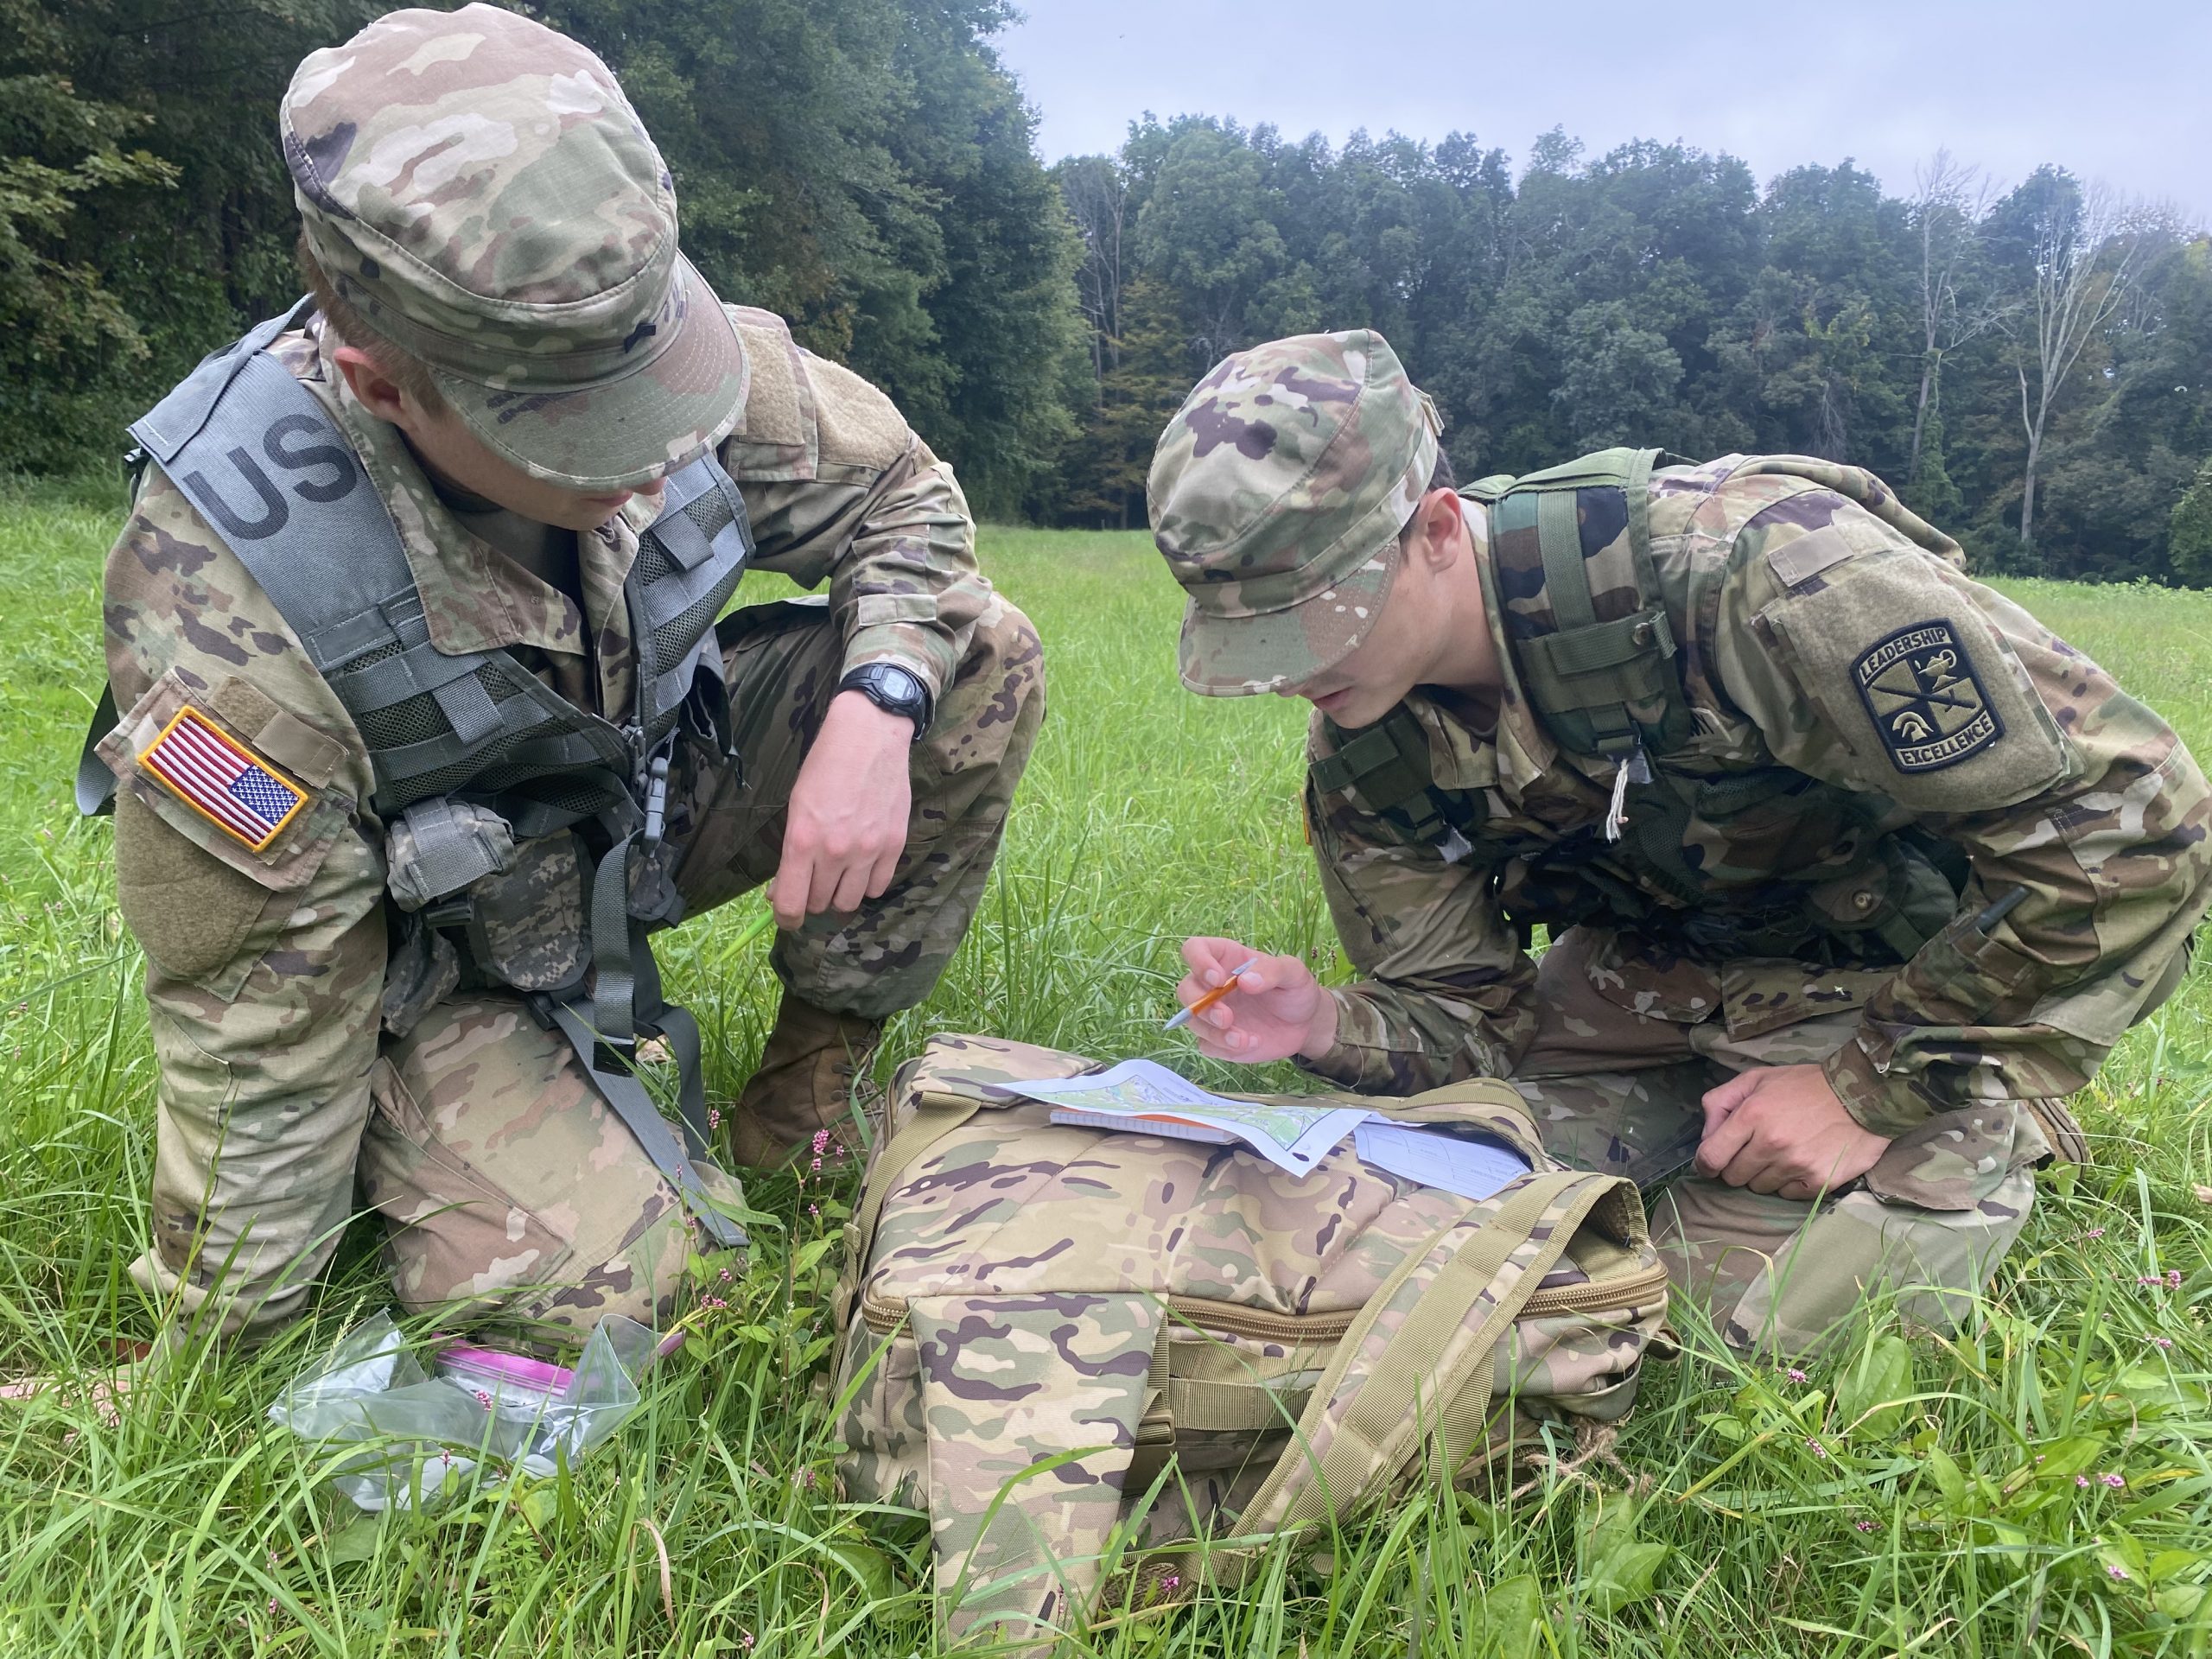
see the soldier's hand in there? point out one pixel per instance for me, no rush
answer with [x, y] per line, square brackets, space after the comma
[1781, 1129]
[846, 826]
[1278, 1008]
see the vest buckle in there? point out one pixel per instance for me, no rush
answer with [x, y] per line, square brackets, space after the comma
[656, 826]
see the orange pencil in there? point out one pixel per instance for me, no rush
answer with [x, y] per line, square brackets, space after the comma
[1211, 997]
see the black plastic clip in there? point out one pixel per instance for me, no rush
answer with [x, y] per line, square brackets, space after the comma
[656, 829]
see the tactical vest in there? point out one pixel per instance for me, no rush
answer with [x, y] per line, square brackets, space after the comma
[1593, 639]
[473, 753]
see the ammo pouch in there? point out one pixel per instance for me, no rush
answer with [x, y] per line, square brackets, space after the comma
[1197, 1343]
[440, 847]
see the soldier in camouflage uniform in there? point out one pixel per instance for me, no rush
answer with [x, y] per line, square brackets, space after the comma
[518, 355]
[1866, 876]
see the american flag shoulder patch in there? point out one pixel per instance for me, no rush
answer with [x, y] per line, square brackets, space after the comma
[223, 780]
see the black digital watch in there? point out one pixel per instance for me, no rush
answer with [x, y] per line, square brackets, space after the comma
[894, 688]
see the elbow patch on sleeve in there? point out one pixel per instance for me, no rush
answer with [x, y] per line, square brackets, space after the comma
[1911, 674]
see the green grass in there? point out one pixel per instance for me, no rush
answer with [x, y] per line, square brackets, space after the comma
[1749, 1514]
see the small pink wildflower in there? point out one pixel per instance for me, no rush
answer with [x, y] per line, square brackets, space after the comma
[272, 1605]
[1864, 1526]
[713, 1117]
[727, 1277]
[2115, 1481]
[2117, 1572]
[2095, 1232]
[1819, 1451]
[484, 1398]
[2173, 1278]
[2081, 1480]
[1795, 1375]
[2162, 1342]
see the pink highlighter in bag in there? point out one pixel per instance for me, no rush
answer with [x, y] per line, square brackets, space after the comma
[501, 1379]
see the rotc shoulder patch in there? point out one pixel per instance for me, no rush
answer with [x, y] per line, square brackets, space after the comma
[223, 780]
[1926, 698]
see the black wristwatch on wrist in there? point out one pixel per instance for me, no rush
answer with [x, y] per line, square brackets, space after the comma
[892, 687]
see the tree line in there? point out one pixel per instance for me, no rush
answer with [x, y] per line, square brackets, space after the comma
[2032, 367]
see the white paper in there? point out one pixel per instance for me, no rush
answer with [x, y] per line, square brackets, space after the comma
[1292, 1138]
[1473, 1169]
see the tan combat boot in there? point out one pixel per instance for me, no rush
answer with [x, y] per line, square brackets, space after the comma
[804, 1082]
[2067, 1144]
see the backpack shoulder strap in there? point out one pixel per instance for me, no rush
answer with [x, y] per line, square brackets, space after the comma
[1590, 636]
[1424, 1375]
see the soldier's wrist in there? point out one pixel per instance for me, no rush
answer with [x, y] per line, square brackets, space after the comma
[1321, 1029]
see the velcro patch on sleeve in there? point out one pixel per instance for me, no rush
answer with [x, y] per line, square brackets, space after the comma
[1916, 678]
[222, 779]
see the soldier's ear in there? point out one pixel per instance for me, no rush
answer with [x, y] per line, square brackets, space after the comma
[1433, 534]
[379, 392]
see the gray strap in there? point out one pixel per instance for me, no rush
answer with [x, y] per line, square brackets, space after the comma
[419, 671]
[627, 1099]
[464, 701]
[614, 993]
[707, 538]
[96, 784]
[177, 419]
[267, 468]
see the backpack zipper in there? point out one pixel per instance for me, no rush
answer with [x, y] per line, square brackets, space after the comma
[882, 1313]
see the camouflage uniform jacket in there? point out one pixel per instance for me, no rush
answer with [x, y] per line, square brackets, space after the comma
[1780, 585]
[266, 970]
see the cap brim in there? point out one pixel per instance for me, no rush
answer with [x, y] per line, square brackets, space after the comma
[1272, 651]
[628, 430]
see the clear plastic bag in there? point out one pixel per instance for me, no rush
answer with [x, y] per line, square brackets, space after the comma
[420, 1430]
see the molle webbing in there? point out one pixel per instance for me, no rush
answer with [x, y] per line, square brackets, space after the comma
[1388, 763]
[1591, 644]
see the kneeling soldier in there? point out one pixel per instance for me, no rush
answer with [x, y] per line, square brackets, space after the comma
[1852, 869]
[428, 721]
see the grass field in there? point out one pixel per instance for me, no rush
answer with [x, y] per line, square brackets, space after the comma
[2042, 1485]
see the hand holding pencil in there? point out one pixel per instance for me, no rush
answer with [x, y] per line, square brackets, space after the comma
[1246, 1006]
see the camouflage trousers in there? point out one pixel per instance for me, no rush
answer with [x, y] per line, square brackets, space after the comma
[507, 1185]
[1621, 1089]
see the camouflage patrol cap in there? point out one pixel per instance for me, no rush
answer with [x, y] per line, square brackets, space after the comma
[479, 188]
[1277, 494]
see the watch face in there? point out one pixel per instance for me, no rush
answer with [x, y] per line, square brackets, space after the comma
[899, 684]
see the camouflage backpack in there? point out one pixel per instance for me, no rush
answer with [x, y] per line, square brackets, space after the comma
[1065, 1344]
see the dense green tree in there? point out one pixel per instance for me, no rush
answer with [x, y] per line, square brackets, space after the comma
[2031, 370]
[867, 169]
[147, 211]
[1655, 295]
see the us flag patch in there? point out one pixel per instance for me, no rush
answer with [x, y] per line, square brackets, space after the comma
[222, 779]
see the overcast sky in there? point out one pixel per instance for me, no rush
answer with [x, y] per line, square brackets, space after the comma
[2117, 89]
